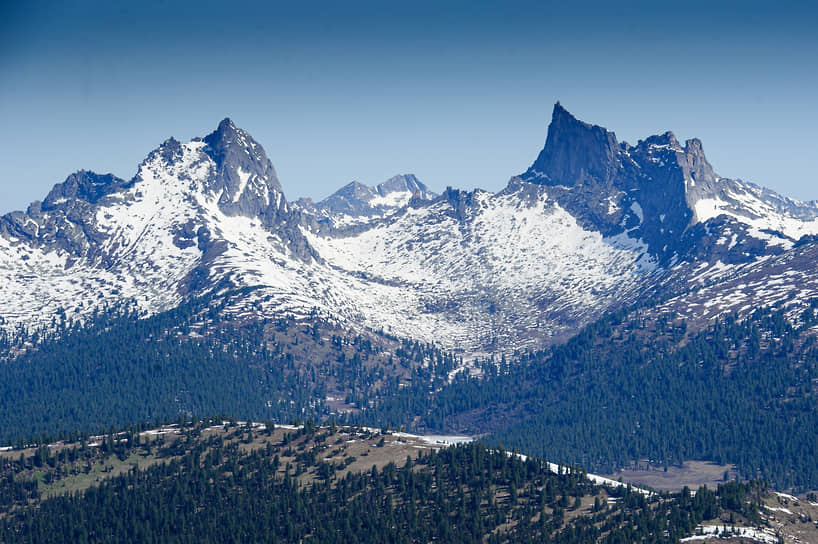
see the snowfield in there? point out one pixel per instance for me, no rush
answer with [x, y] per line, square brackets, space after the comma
[517, 271]
[474, 272]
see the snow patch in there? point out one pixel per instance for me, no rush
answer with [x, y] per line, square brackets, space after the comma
[715, 531]
[244, 177]
[637, 209]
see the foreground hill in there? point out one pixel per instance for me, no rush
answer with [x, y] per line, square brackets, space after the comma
[252, 483]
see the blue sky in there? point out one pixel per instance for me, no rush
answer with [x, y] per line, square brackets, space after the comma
[458, 93]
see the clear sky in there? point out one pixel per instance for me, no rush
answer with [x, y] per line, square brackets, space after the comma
[459, 93]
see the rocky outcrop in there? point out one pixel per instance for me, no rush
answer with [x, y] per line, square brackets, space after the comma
[650, 192]
[575, 154]
[65, 219]
[244, 177]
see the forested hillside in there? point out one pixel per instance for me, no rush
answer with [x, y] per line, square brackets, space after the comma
[626, 388]
[117, 369]
[254, 484]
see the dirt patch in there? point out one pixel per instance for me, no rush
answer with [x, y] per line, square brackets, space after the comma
[692, 474]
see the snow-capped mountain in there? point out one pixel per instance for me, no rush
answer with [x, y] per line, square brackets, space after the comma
[357, 203]
[154, 239]
[665, 194]
[592, 225]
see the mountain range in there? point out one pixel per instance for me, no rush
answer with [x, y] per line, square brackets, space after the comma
[593, 225]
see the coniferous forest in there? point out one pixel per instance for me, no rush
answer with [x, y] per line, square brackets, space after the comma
[246, 483]
[741, 391]
[625, 388]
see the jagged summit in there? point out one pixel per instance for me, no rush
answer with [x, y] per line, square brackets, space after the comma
[404, 183]
[589, 226]
[244, 174]
[83, 185]
[356, 202]
[578, 153]
[226, 127]
[226, 138]
[574, 152]
[659, 191]
[354, 189]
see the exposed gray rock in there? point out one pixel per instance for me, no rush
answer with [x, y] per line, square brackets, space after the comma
[353, 206]
[405, 183]
[65, 219]
[648, 191]
[357, 199]
[575, 154]
[244, 175]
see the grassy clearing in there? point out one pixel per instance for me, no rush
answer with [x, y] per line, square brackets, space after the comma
[692, 474]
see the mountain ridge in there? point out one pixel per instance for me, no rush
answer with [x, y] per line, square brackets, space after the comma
[591, 226]
[357, 203]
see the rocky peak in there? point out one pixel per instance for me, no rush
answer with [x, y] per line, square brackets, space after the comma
[65, 220]
[647, 191]
[355, 189]
[82, 185]
[244, 175]
[698, 169]
[404, 183]
[361, 201]
[663, 193]
[660, 142]
[224, 139]
[574, 152]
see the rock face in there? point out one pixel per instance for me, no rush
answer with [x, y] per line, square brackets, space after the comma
[594, 224]
[63, 221]
[656, 191]
[613, 186]
[243, 175]
[575, 154]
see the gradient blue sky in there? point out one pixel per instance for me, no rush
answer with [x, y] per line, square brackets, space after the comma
[459, 93]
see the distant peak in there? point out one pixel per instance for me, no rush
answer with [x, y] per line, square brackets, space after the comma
[355, 185]
[559, 111]
[225, 133]
[401, 182]
[226, 124]
[354, 189]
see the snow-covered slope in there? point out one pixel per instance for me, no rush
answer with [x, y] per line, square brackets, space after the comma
[786, 281]
[782, 221]
[469, 271]
[477, 270]
[148, 241]
[357, 203]
[591, 226]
